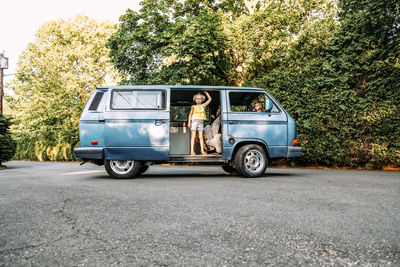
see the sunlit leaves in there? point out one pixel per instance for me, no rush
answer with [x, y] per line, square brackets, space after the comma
[341, 84]
[57, 72]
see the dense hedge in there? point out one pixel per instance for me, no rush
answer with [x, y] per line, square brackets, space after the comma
[345, 95]
[334, 65]
[7, 144]
[42, 152]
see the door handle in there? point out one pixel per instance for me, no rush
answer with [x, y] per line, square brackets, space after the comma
[232, 122]
[159, 122]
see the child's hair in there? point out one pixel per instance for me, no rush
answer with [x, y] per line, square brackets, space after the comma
[262, 106]
[198, 94]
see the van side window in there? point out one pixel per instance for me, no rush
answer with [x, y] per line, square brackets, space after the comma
[245, 101]
[96, 101]
[137, 99]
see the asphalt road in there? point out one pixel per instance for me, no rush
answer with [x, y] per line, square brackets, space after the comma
[71, 215]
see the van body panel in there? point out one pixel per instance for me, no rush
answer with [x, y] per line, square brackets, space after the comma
[136, 153]
[227, 148]
[91, 125]
[147, 134]
[291, 130]
[227, 152]
[91, 131]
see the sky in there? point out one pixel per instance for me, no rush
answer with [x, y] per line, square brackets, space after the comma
[21, 19]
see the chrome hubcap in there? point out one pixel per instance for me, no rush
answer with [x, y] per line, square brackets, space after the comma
[254, 161]
[121, 166]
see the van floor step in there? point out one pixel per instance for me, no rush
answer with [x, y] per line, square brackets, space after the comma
[197, 158]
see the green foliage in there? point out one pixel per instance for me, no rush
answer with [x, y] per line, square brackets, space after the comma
[210, 42]
[7, 144]
[168, 42]
[56, 75]
[334, 65]
[344, 92]
[335, 68]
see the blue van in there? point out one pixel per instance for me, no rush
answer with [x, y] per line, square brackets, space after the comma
[129, 128]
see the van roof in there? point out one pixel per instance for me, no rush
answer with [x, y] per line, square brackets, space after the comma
[179, 87]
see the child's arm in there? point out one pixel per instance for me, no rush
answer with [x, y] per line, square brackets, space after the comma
[190, 118]
[209, 99]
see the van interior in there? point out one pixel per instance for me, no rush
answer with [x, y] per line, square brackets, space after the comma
[181, 102]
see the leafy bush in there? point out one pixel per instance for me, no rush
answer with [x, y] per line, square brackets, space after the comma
[344, 92]
[7, 144]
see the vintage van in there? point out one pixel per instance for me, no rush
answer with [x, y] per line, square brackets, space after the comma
[129, 128]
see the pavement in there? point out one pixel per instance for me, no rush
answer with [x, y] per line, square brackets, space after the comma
[64, 214]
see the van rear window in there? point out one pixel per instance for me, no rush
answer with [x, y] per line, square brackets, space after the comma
[137, 99]
[96, 101]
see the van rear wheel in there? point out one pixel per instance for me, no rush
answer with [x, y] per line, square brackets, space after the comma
[123, 169]
[251, 161]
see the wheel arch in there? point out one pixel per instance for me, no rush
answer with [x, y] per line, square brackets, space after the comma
[248, 142]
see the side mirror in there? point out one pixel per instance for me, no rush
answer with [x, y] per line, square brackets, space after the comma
[269, 107]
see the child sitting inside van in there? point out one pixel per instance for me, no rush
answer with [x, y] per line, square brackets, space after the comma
[213, 137]
[197, 116]
[258, 107]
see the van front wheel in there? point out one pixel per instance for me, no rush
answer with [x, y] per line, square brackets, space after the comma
[251, 160]
[122, 169]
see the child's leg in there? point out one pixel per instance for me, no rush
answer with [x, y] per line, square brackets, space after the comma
[193, 137]
[201, 142]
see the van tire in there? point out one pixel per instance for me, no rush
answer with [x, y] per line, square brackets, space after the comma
[123, 169]
[229, 169]
[251, 161]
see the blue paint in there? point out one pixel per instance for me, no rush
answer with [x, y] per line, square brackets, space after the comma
[144, 134]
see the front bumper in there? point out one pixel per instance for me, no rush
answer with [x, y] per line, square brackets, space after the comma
[89, 152]
[294, 152]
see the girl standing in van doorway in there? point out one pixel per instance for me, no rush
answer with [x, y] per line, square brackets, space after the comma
[197, 116]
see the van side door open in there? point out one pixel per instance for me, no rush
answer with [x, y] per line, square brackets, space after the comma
[137, 125]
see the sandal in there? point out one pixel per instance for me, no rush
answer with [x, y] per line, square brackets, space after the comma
[192, 153]
[204, 153]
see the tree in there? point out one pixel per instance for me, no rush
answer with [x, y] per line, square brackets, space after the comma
[263, 36]
[169, 42]
[210, 42]
[56, 75]
[7, 144]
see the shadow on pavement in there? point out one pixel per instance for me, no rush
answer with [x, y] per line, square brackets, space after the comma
[194, 176]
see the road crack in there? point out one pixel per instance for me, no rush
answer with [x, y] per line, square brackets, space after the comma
[69, 218]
